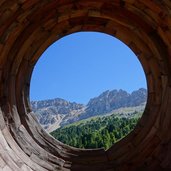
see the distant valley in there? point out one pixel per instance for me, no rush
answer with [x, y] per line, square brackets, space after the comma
[55, 113]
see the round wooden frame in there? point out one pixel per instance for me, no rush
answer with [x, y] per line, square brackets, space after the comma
[28, 27]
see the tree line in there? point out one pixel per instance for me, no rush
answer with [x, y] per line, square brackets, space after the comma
[100, 132]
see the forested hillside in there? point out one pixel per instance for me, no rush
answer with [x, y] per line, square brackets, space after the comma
[97, 132]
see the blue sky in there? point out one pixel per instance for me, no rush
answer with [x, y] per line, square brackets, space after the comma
[82, 65]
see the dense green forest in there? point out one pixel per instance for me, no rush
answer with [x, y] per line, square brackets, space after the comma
[96, 132]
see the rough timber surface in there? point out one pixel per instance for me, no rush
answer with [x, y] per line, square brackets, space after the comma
[28, 27]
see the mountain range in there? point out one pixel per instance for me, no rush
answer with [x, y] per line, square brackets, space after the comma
[55, 113]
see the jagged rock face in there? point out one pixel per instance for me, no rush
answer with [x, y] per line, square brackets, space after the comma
[111, 100]
[51, 112]
[56, 106]
[137, 97]
[61, 112]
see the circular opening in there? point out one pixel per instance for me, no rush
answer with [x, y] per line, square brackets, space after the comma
[88, 90]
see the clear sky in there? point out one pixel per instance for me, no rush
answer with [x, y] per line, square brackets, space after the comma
[82, 65]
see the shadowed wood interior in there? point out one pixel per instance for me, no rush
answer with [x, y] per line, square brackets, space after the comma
[28, 27]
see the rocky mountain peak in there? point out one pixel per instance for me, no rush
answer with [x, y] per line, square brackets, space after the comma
[61, 106]
[110, 100]
[61, 112]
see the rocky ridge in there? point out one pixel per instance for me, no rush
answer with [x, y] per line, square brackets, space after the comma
[54, 113]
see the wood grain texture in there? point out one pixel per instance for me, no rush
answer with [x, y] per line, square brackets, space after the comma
[28, 27]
